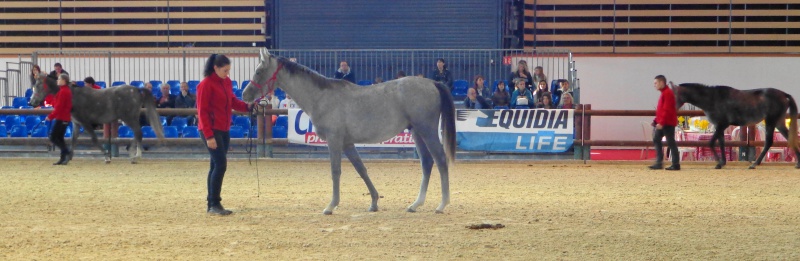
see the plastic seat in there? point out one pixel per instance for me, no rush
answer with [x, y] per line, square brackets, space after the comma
[19, 131]
[280, 93]
[245, 83]
[3, 131]
[11, 121]
[28, 93]
[139, 84]
[238, 93]
[40, 132]
[191, 132]
[680, 135]
[147, 132]
[279, 132]
[179, 123]
[19, 102]
[193, 86]
[80, 84]
[118, 83]
[156, 84]
[170, 132]
[102, 84]
[243, 121]
[364, 82]
[33, 121]
[163, 120]
[235, 85]
[174, 83]
[460, 87]
[237, 132]
[282, 121]
[124, 131]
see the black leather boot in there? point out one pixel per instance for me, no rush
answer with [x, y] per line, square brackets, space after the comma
[61, 160]
[218, 210]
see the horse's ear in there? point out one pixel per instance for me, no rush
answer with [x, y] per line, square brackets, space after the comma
[261, 55]
[266, 51]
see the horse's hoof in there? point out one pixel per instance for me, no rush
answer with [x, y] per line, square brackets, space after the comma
[752, 167]
[439, 211]
[373, 209]
[797, 166]
[327, 212]
[719, 166]
[108, 162]
[411, 210]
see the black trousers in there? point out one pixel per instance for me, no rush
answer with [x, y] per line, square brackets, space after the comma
[219, 164]
[57, 135]
[669, 133]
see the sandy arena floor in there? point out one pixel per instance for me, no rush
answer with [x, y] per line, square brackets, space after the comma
[156, 210]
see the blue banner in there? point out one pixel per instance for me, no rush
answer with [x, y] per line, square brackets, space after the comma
[534, 130]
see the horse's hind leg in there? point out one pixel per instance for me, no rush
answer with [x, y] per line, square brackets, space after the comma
[785, 132]
[769, 131]
[136, 144]
[336, 174]
[431, 138]
[719, 135]
[426, 161]
[76, 132]
[352, 154]
[94, 141]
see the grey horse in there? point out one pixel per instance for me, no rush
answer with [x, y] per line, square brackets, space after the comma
[345, 114]
[91, 107]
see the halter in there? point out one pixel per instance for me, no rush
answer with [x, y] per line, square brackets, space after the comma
[270, 83]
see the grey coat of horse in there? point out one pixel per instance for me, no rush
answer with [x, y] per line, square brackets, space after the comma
[345, 114]
[91, 107]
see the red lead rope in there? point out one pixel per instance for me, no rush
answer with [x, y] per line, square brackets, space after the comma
[270, 83]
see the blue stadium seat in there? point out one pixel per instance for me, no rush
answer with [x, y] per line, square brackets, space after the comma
[191, 132]
[282, 121]
[163, 120]
[235, 85]
[238, 93]
[28, 93]
[243, 121]
[19, 131]
[19, 102]
[280, 94]
[3, 131]
[173, 83]
[68, 134]
[175, 90]
[147, 132]
[40, 132]
[125, 132]
[179, 123]
[118, 83]
[245, 83]
[364, 82]
[170, 132]
[11, 121]
[156, 84]
[193, 86]
[102, 84]
[279, 132]
[80, 83]
[460, 87]
[237, 132]
[139, 84]
[33, 121]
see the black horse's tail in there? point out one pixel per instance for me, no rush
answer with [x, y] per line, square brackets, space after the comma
[448, 122]
[792, 123]
[151, 113]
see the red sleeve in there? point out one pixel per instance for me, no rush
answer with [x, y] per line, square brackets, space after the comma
[667, 113]
[238, 105]
[203, 110]
[63, 104]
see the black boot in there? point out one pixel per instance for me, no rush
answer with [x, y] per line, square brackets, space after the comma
[61, 160]
[656, 166]
[66, 157]
[218, 210]
[674, 167]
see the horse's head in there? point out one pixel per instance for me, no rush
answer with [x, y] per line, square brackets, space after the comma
[679, 98]
[41, 88]
[263, 80]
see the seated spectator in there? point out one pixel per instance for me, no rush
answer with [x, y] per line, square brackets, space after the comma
[442, 74]
[564, 88]
[167, 100]
[479, 86]
[566, 101]
[475, 101]
[521, 96]
[57, 70]
[501, 97]
[345, 73]
[541, 89]
[186, 100]
[545, 102]
[522, 73]
[400, 74]
[89, 82]
[420, 75]
[288, 103]
[538, 76]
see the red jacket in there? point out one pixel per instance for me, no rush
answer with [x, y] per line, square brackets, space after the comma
[667, 111]
[62, 107]
[215, 99]
[95, 86]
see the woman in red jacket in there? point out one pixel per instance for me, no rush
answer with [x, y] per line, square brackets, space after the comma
[215, 100]
[61, 115]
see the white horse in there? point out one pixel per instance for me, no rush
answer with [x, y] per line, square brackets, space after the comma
[345, 114]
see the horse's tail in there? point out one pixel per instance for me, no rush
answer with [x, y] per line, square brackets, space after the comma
[792, 123]
[448, 122]
[151, 113]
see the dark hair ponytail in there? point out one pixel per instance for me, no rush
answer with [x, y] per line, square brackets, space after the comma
[219, 60]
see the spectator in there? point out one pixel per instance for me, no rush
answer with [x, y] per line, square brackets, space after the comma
[441, 74]
[378, 80]
[664, 123]
[35, 71]
[215, 101]
[142, 118]
[288, 103]
[545, 102]
[345, 72]
[89, 82]
[293, 59]
[521, 97]
[400, 74]
[558, 94]
[566, 101]
[186, 100]
[538, 76]
[421, 75]
[522, 73]
[58, 70]
[501, 97]
[61, 116]
[479, 86]
[475, 101]
[540, 91]
[167, 100]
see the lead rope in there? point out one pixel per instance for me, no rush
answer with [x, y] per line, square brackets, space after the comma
[254, 115]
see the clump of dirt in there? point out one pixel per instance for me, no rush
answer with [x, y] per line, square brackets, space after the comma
[486, 226]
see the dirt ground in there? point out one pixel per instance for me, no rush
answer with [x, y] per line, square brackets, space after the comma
[554, 210]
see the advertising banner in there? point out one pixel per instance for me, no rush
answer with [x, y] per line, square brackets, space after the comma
[534, 130]
[301, 131]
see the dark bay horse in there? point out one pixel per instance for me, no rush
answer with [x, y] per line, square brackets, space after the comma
[725, 106]
[345, 114]
[91, 107]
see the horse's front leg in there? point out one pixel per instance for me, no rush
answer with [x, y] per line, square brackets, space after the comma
[352, 154]
[336, 174]
[718, 135]
[76, 131]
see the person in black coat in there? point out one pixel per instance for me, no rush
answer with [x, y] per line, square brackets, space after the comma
[345, 72]
[522, 73]
[441, 74]
[475, 101]
[58, 70]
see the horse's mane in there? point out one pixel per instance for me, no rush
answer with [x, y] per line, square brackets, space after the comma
[703, 86]
[319, 79]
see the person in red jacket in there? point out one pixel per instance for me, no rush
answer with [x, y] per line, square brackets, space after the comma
[61, 116]
[665, 122]
[89, 82]
[215, 100]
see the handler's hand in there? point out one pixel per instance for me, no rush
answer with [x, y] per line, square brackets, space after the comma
[212, 143]
[658, 126]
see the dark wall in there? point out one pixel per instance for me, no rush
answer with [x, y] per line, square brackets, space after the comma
[367, 24]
